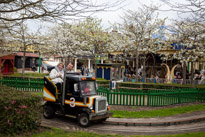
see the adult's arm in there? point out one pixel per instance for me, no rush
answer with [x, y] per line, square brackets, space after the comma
[53, 74]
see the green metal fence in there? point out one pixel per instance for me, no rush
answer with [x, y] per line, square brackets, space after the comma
[133, 97]
[122, 96]
[24, 84]
[33, 84]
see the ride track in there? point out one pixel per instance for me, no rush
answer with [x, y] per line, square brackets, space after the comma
[183, 123]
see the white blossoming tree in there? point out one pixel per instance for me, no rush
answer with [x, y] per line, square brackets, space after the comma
[191, 37]
[19, 39]
[95, 36]
[117, 41]
[140, 26]
[65, 42]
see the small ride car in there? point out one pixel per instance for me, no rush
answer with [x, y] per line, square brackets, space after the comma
[79, 100]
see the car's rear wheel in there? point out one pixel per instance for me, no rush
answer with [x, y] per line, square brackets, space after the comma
[83, 120]
[48, 112]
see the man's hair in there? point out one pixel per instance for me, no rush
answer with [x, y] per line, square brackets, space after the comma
[70, 63]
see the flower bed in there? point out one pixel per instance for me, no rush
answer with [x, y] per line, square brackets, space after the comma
[20, 111]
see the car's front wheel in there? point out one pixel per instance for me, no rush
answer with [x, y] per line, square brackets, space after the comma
[83, 120]
[48, 112]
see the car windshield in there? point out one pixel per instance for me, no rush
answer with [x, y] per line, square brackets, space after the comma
[88, 88]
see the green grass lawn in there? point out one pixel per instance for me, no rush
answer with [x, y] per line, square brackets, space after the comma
[62, 133]
[158, 112]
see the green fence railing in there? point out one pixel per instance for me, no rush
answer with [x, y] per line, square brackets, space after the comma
[136, 96]
[24, 84]
[133, 97]
[33, 84]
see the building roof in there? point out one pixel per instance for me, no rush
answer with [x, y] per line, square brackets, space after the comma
[2, 54]
[28, 54]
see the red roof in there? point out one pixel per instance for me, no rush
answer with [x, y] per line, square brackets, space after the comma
[7, 56]
[28, 54]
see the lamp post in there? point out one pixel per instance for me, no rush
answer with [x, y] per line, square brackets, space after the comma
[39, 63]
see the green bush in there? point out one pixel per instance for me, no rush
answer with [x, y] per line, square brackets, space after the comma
[103, 83]
[30, 74]
[15, 69]
[101, 79]
[158, 86]
[20, 111]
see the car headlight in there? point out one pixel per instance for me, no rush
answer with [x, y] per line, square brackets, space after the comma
[90, 107]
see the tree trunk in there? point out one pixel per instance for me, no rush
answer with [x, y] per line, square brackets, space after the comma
[23, 63]
[192, 73]
[64, 80]
[95, 70]
[144, 69]
[184, 73]
[24, 50]
[136, 79]
[95, 57]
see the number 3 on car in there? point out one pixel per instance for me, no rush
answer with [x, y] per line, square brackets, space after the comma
[72, 104]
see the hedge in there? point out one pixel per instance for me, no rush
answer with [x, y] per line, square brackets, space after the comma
[157, 86]
[19, 111]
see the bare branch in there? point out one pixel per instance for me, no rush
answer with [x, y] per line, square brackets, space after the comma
[195, 8]
[51, 9]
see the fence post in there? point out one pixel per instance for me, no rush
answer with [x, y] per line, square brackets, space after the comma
[108, 96]
[148, 97]
[29, 84]
[15, 84]
[199, 96]
[179, 96]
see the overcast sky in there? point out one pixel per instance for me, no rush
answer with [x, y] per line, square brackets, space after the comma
[114, 16]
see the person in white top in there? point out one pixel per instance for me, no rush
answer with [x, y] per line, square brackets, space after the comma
[57, 75]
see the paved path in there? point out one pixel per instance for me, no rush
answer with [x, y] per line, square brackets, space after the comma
[106, 128]
[183, 118]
